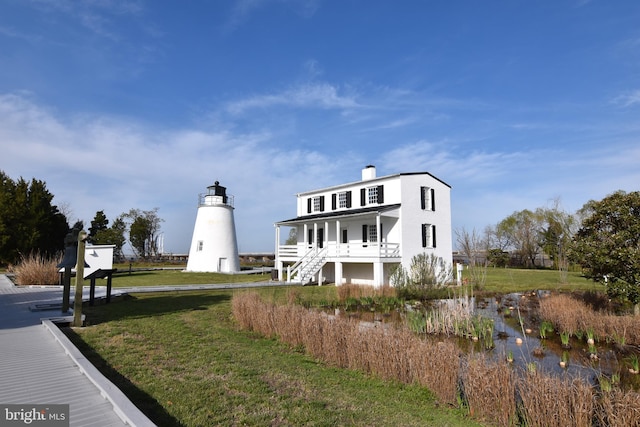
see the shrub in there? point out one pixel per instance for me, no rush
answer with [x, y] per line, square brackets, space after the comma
[426, 274]
[37, 269]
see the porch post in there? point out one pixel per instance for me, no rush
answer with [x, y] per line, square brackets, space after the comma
[326, 234]
[315, 235]
[278, 263]
[338, 239]
[378, 274]
[378, 236]
[338, 273]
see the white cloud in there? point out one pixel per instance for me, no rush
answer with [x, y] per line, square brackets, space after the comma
[628, 99]
[324, 96]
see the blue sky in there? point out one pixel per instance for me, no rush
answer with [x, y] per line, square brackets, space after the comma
[120, 104]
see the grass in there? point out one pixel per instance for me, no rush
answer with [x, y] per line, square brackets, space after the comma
[500, 280]
[179, 277]
[518, 280]
[183, 361]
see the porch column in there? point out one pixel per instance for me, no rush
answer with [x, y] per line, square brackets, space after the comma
[338, 240]
[338, 273]
[378, 236]
[305, 238]
[326, 234]
[378, 274]
[278, 262]
[315, 235]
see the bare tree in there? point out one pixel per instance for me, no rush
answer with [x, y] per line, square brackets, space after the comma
[475, 249]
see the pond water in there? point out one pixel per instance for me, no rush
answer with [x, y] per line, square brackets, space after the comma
[516, 332]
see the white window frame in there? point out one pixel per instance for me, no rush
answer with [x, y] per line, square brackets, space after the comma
[316, 204]
[342, 199]
[372, 195]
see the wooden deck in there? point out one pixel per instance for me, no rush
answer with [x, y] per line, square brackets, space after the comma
[39, 365]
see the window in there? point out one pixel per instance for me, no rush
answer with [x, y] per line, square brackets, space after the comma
[369, 234]
[345, 238]
[427, 198]
[428, 236]
[315, 204]
[342, 200]
[373, 233]
[372, 195]
[200, 246]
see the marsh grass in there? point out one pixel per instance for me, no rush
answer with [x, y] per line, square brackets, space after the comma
[386, 352]
[616, 408]
[548, 401]
[489, 390]
[572, 316]
[37, 269]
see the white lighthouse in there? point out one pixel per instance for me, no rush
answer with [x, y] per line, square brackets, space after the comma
[214, 247]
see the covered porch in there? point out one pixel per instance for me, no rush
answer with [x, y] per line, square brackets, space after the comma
[340, 247]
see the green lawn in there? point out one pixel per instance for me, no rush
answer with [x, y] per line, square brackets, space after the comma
[516, 280]
[179, 277]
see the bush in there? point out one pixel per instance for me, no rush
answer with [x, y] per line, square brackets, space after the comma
[37, 269]
[427, 273]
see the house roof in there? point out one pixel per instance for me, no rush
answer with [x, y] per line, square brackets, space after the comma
[342, 214]
[368, 182]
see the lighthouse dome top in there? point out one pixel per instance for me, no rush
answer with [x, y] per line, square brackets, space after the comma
[216, 195]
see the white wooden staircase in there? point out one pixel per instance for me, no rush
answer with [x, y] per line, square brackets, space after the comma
[308, 266]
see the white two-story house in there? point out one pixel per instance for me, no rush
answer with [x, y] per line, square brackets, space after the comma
[360, 231]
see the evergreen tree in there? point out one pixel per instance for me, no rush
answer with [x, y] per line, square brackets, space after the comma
[28, 220]
[98, 224]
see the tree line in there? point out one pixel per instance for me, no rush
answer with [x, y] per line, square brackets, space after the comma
[30, 222]
[602, 238]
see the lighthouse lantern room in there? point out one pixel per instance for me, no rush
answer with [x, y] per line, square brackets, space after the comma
[214, 247]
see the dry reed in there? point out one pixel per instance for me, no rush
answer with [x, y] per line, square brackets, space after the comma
[548, 401]
[389, 353]
[617, 408]
[571, 315]
[37, 269]
[489, 390]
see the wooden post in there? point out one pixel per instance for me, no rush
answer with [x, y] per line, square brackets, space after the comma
[66, 289]
[77, 303]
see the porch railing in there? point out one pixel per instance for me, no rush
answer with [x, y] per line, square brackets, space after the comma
[342, 250]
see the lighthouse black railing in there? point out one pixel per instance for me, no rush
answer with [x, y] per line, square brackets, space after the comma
[208, 199]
